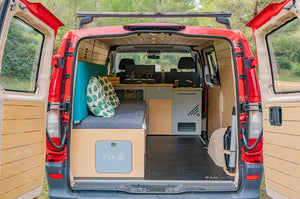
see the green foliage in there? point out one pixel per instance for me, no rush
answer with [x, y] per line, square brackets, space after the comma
[284, 63]
[242, 12]
[296, 71]
[22, 51]
[284, 44]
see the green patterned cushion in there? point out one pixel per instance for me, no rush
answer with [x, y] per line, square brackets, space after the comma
[109, 90]
[96, 100]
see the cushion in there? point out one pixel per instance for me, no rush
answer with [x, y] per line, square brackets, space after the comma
[129, 115]
[109, 91]
[96, 99]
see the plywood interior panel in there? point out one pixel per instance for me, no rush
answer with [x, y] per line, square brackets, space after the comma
[96, 50]
[221, 98]
[22, 147]
[93, 51]
[283, 190]
[158, 38]
[83, 151]
[281, 150]
[214, 109]
[160, 116]
[225, 63]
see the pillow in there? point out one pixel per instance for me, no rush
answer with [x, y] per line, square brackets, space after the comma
[96, 100]
[109, 91]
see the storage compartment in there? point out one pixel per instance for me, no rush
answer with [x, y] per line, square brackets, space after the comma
[88, 160]
[187, 112]
[113, 156]
[154, 142]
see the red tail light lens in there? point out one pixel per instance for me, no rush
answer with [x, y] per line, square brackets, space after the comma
[253, 86]
[55, 176]
[252, 177]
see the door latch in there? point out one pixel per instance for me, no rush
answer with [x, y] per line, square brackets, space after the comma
[275, 116]
[65, 106]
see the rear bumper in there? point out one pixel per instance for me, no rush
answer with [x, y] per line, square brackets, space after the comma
[60, 189]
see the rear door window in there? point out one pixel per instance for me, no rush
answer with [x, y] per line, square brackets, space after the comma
[21, 58]
[164, 62]
[284, 54]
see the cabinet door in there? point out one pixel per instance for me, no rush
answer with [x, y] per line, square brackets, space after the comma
[160, 116]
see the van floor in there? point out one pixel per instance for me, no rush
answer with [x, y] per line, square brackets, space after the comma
[180, 158]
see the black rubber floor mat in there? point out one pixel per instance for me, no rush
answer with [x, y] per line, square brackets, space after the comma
[180, 158]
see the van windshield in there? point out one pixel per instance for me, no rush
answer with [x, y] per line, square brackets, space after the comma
[164, 61]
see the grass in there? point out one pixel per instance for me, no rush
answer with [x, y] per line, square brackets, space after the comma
[17, 85]
[44, 194]
[263, 192]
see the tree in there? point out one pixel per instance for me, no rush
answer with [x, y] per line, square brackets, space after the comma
[242, 12]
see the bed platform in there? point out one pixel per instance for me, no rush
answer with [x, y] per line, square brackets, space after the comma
[129, 115]
[110, 147]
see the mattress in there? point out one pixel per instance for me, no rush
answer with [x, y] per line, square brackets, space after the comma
[129, 115]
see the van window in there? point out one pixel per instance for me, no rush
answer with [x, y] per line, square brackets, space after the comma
[163, 62]
[213, 66]
[284, 53]
[21, 57]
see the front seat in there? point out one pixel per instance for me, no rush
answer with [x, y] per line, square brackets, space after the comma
[124, 62]
[188, 79]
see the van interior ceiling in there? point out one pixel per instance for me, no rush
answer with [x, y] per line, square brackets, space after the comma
[177, 95]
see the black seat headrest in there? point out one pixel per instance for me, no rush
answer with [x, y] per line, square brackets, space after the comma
[125, 62]
[173, 70]
[186, 63]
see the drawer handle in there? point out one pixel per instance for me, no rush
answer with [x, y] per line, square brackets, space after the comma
[186, 93]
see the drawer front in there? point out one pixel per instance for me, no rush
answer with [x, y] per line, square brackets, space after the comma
[159, 92]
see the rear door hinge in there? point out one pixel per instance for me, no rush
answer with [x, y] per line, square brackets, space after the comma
[249, 107]
[65, 106]
[240, 54]
[60, 62]
[66, 76]
[69, 54]
[242, 76]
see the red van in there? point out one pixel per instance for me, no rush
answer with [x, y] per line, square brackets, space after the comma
[150, 110]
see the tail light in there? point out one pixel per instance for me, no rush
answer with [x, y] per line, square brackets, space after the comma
[255, 122]
[253, 141]
[54, 134]
[255, 114]
[53, 125]
[253, 86]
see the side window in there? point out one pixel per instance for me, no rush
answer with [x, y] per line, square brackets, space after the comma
[213, 66]
[21, 57]
[284, 53]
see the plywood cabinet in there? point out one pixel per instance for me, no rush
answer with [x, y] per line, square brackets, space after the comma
[160, 116]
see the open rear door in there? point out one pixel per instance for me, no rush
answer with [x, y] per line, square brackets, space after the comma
[277, 35]
[27, 36]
